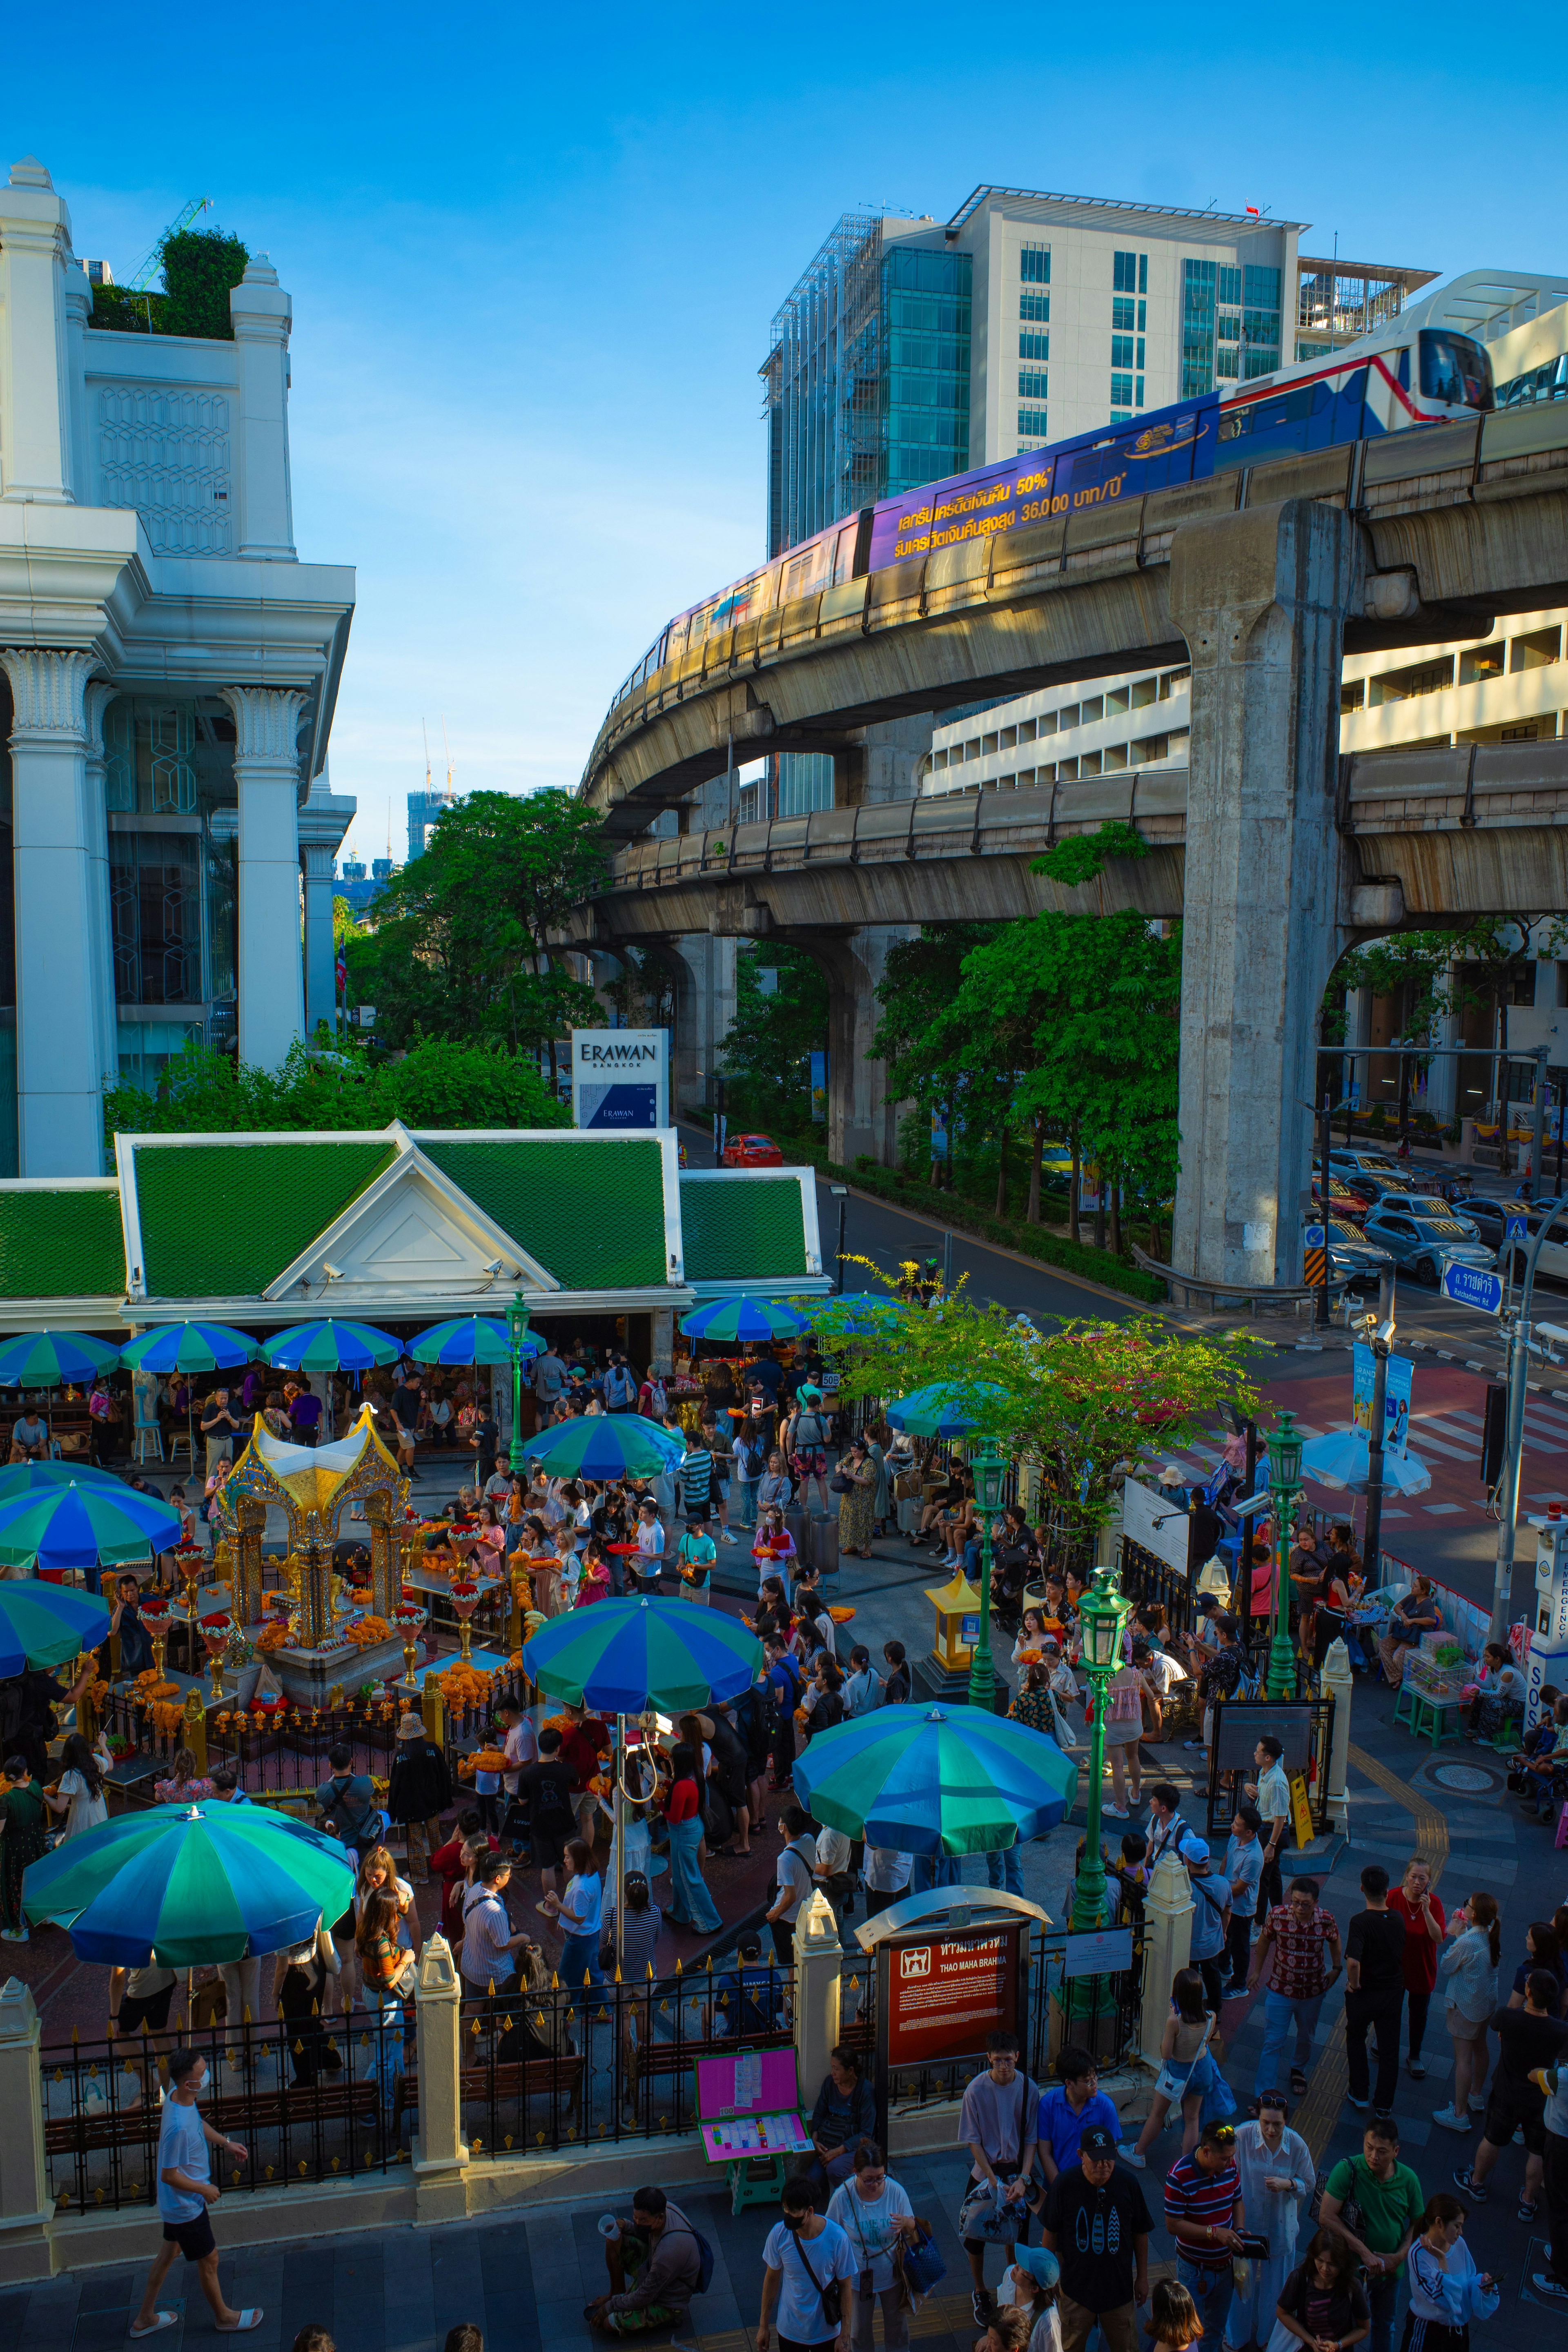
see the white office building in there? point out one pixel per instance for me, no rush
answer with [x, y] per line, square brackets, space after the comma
[168, 671]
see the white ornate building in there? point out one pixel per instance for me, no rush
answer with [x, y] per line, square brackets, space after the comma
[168, 671]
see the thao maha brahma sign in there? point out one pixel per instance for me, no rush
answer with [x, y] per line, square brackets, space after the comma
[619, 1079]
[946, 1993]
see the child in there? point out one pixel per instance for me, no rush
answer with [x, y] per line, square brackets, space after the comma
[1173, 2320]
[1131, 1872]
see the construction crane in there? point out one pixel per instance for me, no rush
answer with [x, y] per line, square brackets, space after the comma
[148, 267]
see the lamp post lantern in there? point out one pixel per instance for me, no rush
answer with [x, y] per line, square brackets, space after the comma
[990, 1474]
[517, 1333]
[1284, 1444]
[1102, 1612]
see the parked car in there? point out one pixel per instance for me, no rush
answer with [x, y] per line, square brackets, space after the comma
[1351, 1206]
[1378, 1188]
[1352, 1259]
[1352, 1163]
[753, 1151]
[1422, 1243]
[1432, 1205]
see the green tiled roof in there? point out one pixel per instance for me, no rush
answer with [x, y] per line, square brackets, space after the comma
[63, 1244]
[222, 1220]
[591, 1212]
[741, 1228]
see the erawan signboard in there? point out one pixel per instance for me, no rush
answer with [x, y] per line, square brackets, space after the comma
[620, 1079]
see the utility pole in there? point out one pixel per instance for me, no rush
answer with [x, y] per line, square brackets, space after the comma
[1513, 1440]
[840, 1192]
[1378, 1330]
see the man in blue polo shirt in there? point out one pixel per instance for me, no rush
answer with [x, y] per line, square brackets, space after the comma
[1067, 2109]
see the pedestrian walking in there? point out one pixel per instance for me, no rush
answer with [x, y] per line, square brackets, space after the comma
[1277, 2180]
[874, 2212]
[1211, 1916]
[1205, 2214]
[996, 2123]
[808, 2268]
[487, 1959]
[1374, 1992]
[1414, 1901]
[691, 1904]
[187, 2195]
[1528, 2040]
[1467, 1968]
[1552, 2284]
[1375, 2203]
[1096, 2224]
[1189, 2075]
[1244, 1858]
[1446, 2291]
[1296, 1934]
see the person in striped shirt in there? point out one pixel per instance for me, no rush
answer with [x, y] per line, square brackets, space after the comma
[1205, 2213]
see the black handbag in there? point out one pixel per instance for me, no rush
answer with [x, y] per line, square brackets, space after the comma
[839, 1485]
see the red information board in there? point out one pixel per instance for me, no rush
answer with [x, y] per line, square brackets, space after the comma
[946, 1992]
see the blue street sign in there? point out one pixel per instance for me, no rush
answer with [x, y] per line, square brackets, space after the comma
[1472, 1287]
[1314, 1237]
[1514, 1226]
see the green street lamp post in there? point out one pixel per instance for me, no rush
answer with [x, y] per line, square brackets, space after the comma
[990, 1474]
[517, 1332]
[1284, 1444]
[1102, 1612]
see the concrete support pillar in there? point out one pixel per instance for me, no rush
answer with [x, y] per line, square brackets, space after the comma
[321, 952]
[662, 1343]
[262, 313]
[860, 1115]
[1339, 1682]
[1260, 597]
[1167, 1947]
[59, 1097]
[35, 399]
[26, 2206]
[819, 1991]
[704, 966]
[440, 2150]
[269, 962]
[95, 826]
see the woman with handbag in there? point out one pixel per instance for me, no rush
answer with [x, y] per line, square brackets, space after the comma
[875, 2213]
[1126, 1697]
[386, 1972]
[855, 1484]
[303, 1981]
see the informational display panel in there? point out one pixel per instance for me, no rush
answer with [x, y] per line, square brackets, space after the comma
[945, 1992]
[620, 1079]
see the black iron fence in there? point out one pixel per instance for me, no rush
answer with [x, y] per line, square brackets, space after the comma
[309, 2101]
[551, 2067]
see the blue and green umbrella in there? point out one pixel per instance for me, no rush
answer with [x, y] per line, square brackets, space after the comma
[42, 1626]
[189, 1348]
[744, 1319]
[48, 1360]
[621, 1656]
[331, 1347]
[943, 1409]
[859, 1311]
[935, 1779]
[182, 1884]
[471, 1339]
[81, 1526]
[40, 1477]
[605, 1445]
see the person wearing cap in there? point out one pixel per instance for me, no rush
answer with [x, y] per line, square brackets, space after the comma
[1034, 2286]
[420, 1787]
[1243, 1869]
[1096, 2224]
[1211, 1916]
[1205, 2213]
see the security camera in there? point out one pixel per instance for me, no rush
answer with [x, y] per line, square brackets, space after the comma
[494, 1267]
[334, 1272]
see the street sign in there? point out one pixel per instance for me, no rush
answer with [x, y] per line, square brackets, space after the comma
[1469, 1286]
[1514, 1226]
[1316, 1270]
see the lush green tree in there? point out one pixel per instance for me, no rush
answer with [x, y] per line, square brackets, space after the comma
[920, 979]
[344, 926]
[466, 937]
[767, 1049]
[1086, 1402]
[438, 1084]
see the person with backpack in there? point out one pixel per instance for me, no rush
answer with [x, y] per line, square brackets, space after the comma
[751, 1446]
[621, 1387]
[656, 2262]
[786, 1682]
[549, 1789]
[805, 1442]
[348, 1798]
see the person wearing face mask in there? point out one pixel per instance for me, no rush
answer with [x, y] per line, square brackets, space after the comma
[187, 2194]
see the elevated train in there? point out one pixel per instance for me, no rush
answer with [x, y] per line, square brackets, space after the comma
[1420, 368]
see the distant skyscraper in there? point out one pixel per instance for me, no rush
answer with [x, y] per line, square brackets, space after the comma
[423, 808]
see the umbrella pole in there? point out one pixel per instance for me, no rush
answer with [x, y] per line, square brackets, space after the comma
[620, 1832]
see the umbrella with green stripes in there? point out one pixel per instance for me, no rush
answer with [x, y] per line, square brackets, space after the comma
[189, 1348]
[181, 1885]
[605, 1445]
[621, 1656]
[43, 1624]
[744, 1319]
[78, 1526]
[471, 1339]
[331, 1347]
[46, 1360]
[935, 1779]
[38, 1477]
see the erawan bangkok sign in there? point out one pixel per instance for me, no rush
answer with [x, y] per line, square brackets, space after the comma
[620, 1078]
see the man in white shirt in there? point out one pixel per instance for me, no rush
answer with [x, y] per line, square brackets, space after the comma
[887, 1877]
[1270, 1792]
[519, 1746]
[794, 1875]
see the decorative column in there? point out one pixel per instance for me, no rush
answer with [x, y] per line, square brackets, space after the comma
[819, 1989]
[315, 1626]
[440, 2150]
[267, 776]
[1167, 1947]
[59, 1095]
[385, 1554]
[34, 415]
[250, 1521]
[260, 312]
[27, 2207]
[95, 815]
[1339, 1682]
[320, 954]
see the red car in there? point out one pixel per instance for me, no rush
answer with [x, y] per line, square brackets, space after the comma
[753, 1151]
[1342, 1202]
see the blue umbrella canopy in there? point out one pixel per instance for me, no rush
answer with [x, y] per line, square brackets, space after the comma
[43, 1624]
[185, 1883]
[935, 1778]
[78, 1527]
[189, 1348]
[944, 1409]
[605, 1445]
[621, 1656]
[46, 1360]
[471, 1339]
[330, 1345]
[36, 1477]
[744, 1319]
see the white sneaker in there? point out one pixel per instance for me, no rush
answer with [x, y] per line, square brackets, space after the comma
[1449, 2120]
[1130, 2155]
[1477, 2106]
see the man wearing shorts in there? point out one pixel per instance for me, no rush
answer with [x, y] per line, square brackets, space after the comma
[187, 2192]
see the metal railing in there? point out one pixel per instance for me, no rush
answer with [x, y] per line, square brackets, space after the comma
[309, 2101]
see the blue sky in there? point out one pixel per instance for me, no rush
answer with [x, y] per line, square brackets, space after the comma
[533, 259]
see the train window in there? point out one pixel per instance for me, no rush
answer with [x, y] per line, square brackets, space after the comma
[1455, 369]
[844, 553]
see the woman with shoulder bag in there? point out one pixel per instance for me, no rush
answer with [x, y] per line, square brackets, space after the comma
[855, 1483]
[805, 1442]
[301, 1985]
[386, 1972]
[874, 2213]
